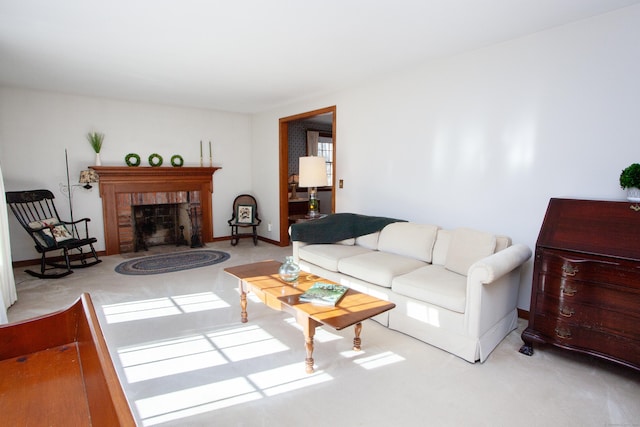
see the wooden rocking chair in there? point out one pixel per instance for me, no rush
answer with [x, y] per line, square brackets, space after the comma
[245, 215]
[37, 214]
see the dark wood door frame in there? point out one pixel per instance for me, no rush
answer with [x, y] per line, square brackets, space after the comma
[284, 167]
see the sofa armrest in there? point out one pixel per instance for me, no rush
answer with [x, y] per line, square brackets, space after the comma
[493, 284]
[497, 265]
[296, 247]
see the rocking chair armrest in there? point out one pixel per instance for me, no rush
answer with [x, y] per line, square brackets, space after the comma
[76, 222]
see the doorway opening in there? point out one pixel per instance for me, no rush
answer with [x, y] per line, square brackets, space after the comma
[292, 199]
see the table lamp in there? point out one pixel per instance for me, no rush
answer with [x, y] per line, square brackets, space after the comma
[313, 174]
[88, 177]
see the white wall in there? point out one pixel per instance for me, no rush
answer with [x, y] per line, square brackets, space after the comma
[36, 127]
[484, 139]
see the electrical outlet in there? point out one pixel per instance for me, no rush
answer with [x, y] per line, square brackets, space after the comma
[269, 227]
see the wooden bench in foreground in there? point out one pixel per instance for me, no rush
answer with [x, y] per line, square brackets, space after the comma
[55, 370]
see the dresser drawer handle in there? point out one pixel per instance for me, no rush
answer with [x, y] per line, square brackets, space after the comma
[568, 291]
[563, 333]
[567, 312]
[569, 270]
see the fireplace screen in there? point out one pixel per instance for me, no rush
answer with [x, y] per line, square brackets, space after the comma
[161, 224]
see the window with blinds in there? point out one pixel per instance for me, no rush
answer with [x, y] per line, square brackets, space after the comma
[325, 149]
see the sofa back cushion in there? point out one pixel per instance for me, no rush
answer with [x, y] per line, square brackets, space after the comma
[347, 242]
[466, 247]
[502, 242]
[408, 239]
[369, 241]
[441, 247]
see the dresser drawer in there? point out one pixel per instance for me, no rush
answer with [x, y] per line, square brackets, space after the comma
[615, 298]
[589, 340]
[589, 316]
[593, 269]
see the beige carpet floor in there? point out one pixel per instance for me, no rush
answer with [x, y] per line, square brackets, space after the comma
[185, 359]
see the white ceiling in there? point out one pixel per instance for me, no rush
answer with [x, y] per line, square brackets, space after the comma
[250, 55]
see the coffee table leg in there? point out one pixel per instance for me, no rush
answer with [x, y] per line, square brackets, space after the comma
[243, 304]
[309, 330]
[357, 341]
[309, 360]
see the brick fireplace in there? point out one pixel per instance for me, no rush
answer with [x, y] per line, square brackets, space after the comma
[150, 219]
[162, 224]
[121, 188]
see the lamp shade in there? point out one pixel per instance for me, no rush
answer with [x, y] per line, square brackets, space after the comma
[313, 172]
[88, 176]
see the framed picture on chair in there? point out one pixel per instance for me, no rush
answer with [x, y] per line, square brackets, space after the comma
[245, 214]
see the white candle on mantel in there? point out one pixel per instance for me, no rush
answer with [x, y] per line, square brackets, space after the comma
[210, 157]
[201, 149]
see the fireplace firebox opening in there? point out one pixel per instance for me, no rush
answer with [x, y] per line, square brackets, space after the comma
[161, 224]
[160, 218]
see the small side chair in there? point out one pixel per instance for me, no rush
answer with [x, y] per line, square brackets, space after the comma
[245, 215]
[37, 214]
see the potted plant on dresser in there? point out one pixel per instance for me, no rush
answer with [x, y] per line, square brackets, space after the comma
[630, 179]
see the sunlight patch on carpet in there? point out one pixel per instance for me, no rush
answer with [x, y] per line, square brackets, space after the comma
[196, 400]
[378, 360]
[160, 307]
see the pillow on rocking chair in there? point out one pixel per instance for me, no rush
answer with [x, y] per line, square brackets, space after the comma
[52, 233]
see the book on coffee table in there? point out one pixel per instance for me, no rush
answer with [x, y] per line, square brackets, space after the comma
[324, 294]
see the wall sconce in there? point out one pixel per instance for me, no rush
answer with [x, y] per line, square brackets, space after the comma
[88, 177]
[313, 173]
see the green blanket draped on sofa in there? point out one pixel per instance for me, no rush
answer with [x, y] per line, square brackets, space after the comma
[340, 226]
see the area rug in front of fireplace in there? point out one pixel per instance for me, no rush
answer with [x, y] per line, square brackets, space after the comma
[167, 263]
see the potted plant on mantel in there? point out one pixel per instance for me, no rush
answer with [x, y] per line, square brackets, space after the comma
[630, 179]
[95, 139]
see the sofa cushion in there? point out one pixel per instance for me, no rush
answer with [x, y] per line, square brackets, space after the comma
[369, 241]
[441, 247]
[328, 255]
[348, 242]
[468, 246]
[378, 267]
[502, 242]
[434, 284]
[408, 239]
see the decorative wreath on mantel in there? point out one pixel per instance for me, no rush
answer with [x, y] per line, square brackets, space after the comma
[177, 160]
[155, 160]
[132, 159]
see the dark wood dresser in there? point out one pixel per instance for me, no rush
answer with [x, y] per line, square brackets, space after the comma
[586, 280]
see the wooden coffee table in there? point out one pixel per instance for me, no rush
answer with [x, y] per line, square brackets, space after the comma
[262, 279]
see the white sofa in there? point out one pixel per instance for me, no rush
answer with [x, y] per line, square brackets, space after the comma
[455, 289]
